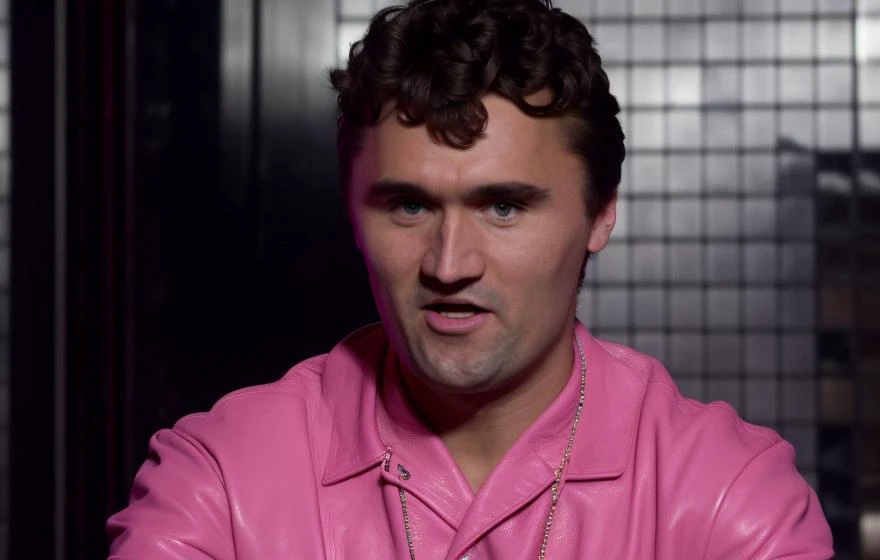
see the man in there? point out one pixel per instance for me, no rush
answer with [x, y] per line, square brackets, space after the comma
[481, 154]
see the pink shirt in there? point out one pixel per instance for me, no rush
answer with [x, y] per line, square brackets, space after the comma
[294, 469]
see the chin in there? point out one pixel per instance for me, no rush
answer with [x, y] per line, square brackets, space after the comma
[460, 380]
[456, 386]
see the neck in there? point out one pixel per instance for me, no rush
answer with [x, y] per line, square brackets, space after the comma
[479, 429]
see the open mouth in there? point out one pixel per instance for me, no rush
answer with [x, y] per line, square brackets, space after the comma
[456, 310]
[454, 318]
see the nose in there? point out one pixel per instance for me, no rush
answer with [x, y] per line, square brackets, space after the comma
[454, 254]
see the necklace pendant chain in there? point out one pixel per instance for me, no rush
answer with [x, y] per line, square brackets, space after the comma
[406, 527]
[555, 488]
[566, 455]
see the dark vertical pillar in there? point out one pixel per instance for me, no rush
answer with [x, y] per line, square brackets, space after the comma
[188, 242]
[97, 272]
[33, 307]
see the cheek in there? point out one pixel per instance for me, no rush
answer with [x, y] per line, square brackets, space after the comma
[393, 261]
[547, 256]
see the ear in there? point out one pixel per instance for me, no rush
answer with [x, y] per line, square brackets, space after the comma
[603, 224]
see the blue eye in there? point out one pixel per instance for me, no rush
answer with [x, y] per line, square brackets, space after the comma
[503, 210]
[408, 211]
[411, 207]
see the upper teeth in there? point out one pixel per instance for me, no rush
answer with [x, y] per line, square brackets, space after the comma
[458, 314]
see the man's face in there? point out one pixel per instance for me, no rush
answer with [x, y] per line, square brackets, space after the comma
[474, 255]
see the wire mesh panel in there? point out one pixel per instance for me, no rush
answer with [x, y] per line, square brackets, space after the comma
[751, 132]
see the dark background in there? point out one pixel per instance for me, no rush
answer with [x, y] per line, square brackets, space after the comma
[203, 241]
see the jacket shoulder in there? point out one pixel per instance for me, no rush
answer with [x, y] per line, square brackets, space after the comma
[296, 384]
[210, 471]
[723, 474]
[297, 393]
[677, 415]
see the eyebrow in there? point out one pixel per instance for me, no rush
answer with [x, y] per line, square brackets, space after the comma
[513, 190]
[390, 189]
[521, 192]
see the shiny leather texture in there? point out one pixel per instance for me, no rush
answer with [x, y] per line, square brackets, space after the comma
[295, 469]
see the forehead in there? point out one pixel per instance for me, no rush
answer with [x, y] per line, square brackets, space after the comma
[515, 147]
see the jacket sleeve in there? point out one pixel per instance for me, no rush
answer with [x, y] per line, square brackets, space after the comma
[769, 511]
[178, 508]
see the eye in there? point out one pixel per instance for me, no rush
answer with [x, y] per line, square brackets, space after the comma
[503, 210]
[408, 209]
[412, 207]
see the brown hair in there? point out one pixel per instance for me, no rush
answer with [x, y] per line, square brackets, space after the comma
[435, 60]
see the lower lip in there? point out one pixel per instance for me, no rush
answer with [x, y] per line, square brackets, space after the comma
[450, 325]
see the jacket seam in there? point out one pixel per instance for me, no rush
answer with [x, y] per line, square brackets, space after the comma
[643, 367]
[278, 386]
[228, 399]
[202, 450]
[179, 430]
[728, 490]
[232, 398]
[738, 423]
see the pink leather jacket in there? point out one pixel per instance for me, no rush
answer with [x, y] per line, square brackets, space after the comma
[298, 469]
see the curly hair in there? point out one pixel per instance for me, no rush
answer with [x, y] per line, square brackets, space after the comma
[434, 60]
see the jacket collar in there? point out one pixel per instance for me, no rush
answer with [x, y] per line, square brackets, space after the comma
[616, 381]
[348, 392]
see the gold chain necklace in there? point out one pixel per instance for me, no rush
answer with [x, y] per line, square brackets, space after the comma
[558, 472]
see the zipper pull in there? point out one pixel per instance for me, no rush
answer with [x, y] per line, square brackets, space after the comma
[386, 461]
[402, 472]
